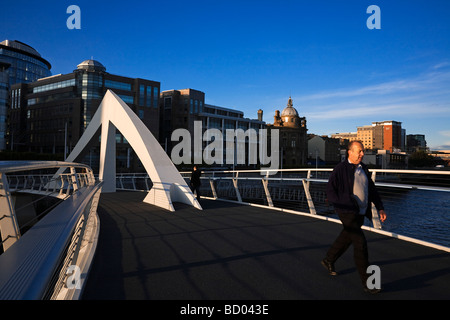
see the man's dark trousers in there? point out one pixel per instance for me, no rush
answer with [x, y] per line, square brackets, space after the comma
[351, 234]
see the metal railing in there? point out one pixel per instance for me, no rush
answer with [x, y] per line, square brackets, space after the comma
[49, 228]
[409, 196]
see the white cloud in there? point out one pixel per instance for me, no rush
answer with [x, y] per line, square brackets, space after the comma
[427, 95]
[445, 133]
[434, 81]
[441, 65]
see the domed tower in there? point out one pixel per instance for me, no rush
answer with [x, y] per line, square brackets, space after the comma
[293, 136]
[289, 115]
[90, 76]
[91, 65]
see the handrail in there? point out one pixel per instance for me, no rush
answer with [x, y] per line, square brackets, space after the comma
[36, 265]
[16, 166]
[70, 183]
[28, 267]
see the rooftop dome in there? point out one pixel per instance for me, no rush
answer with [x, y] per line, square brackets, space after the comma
[91, 65]
[289, 110]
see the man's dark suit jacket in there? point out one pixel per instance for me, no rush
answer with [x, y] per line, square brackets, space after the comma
[340, 189]
[195, 178]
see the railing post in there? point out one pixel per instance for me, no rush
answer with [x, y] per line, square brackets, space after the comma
[61, 189]
[213, 189]
[74, 177]
[146, 183]
[265, 183]
[91, 177]
[121, 181]
[308, 176]
[9, 227]
[312, 209]
[235, 184]
[133, 181]
[375, 217]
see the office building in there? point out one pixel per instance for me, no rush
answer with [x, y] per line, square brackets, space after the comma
[416, 142]
[26, 64]
[18, 63]
[344, 139]
[324, 150]
[365, 134]
[387, 135]
[181, 108]
[51, 114]
[383, 135]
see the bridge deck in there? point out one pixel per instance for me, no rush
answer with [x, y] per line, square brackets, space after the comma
[231, 251]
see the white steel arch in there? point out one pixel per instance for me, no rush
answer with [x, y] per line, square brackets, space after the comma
[168, 185]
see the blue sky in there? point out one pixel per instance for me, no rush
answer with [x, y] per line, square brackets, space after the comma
[252, 55]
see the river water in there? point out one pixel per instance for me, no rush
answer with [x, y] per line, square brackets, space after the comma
[419, 214]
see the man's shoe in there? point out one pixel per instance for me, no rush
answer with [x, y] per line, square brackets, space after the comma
[329, 266]
[372, 291]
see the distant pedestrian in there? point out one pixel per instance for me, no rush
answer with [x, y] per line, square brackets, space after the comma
[351, 191]
[195, 181]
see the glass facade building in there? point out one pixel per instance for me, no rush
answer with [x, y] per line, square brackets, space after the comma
[26, 64]
[51, 114]
[19, 63]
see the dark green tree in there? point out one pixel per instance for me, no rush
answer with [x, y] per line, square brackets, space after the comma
[421, 159]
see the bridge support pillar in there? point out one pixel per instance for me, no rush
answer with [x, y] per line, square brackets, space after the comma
[107, 170]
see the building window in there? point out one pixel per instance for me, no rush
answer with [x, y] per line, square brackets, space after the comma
[117, 85]
[155, 97]
[168, 103]
[53, 86]
[141, 95]
[126, 98]
[149, 96]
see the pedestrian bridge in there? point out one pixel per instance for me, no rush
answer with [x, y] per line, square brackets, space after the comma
[68, 234]
[120, 247]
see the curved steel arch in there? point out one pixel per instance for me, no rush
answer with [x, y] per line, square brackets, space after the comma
[168, 184]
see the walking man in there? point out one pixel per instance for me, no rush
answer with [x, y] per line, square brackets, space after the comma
[351, 191]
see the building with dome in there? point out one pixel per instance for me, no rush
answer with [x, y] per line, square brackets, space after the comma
[50, 115]
[293, 136]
